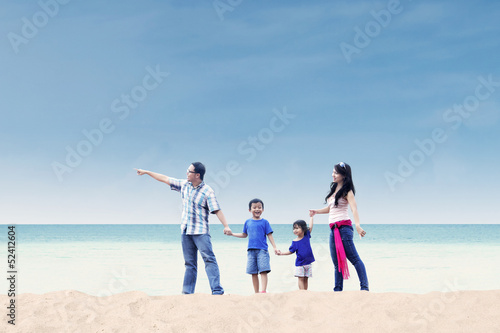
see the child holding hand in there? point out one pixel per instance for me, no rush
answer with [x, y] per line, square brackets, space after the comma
[257, 229]
[302, 247]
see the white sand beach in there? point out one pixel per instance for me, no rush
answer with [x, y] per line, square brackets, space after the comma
[297, 311]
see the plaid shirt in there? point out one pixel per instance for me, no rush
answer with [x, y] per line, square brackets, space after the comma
[197, 203]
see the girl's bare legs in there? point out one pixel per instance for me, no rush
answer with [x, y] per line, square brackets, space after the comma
[255, 280]
[303, 283]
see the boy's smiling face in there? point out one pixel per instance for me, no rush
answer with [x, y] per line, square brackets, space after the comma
[256, 210]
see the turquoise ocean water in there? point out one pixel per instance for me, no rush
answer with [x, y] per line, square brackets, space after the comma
[109, 259]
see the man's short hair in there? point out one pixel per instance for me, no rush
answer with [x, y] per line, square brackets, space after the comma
[199, 168]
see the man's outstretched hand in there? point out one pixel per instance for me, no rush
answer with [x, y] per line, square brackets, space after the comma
[140, 172]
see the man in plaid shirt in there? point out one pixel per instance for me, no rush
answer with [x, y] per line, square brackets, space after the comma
[198, 201]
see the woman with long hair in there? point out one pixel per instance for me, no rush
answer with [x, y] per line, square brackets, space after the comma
[341, 196]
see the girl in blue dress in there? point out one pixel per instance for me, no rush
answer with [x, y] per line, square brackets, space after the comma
[302, 247]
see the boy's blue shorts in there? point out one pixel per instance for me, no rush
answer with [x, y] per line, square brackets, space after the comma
[258, 261]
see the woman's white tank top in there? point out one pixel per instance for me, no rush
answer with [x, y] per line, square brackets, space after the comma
[338, 213]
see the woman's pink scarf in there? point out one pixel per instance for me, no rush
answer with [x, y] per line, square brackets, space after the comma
[339, 247]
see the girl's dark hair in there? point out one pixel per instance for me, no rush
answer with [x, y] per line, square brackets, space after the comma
[345, 170]
[301, 224]
[254, 201]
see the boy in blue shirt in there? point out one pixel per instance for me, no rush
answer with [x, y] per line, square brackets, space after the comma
[258, 257]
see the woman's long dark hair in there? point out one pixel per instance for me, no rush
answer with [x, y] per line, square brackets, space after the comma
[345, 170]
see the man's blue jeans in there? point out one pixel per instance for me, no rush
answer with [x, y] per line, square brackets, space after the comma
[191, 244]
[346, 233]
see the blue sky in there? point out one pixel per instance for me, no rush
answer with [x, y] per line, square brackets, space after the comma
[264, 93]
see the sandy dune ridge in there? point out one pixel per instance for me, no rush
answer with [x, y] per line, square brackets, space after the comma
[297, 311]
